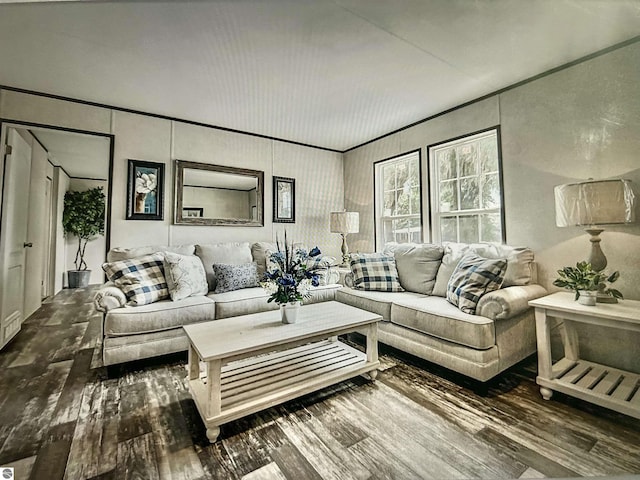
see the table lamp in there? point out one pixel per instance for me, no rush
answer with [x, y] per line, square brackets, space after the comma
[591, 204]
[345, 223]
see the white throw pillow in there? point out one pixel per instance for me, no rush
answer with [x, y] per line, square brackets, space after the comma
[185, 276]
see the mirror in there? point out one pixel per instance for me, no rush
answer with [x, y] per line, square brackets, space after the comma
[218, 195]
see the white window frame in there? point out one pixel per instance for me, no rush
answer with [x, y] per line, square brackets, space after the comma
[436, 214]
[379, 197]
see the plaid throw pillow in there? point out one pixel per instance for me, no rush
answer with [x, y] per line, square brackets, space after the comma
[141, 279]
[472, 278]
[375, 271]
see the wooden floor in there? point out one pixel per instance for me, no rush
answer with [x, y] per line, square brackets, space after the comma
[61, 416]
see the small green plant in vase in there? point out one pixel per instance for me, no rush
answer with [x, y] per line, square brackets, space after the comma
[587, 282]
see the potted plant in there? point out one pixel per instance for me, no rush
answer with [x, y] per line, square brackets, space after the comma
[587, 282]
[83, 217]
[289, 279]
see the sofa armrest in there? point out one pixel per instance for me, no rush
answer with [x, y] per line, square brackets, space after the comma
[508, 302]
[109, 297]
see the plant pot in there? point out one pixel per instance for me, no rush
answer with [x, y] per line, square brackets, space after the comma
[289, 312]
[587, 297]
[78, 278]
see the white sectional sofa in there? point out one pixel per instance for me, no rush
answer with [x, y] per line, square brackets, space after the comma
[136, 332]
[421, 321]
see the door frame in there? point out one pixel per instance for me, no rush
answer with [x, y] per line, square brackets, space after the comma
[6, 123]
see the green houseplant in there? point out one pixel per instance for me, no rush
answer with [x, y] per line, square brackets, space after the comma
[83, 217]
[583, 278]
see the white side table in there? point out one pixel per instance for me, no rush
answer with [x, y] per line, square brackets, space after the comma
[599, 384]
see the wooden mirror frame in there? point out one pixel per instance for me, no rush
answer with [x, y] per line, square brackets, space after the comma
[180, 165]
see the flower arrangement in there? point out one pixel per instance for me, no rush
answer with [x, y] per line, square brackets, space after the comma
[289, 278]
[584, 277]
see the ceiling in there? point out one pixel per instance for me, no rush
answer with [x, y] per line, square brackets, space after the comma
[81, 156]
[327, 73]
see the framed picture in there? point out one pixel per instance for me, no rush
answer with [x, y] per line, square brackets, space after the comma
[284, 200]
[145, 190]
[192, 212]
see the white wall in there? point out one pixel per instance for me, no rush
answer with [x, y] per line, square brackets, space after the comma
[580, 122]
[95, 253]
[60, 186]
[318, 173]
[218, 203]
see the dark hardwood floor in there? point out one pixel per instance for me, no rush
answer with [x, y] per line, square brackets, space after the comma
[62, 416]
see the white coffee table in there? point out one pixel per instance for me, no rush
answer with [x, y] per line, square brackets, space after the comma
[255, 361]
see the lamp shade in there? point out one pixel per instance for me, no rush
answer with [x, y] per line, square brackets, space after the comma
[600, 202]
[345, 222]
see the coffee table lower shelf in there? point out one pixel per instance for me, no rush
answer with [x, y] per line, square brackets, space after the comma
[256, 383]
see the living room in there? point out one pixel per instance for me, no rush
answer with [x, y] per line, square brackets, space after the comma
[564, 123]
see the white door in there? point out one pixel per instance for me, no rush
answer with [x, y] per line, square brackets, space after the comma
[13, 234]
[46, 264]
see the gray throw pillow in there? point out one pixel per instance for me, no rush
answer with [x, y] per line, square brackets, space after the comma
[229, 253]
[473, 277]
[417, 265]
[234, 277]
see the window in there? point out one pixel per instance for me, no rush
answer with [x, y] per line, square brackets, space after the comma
[398, 200]
[466, 200]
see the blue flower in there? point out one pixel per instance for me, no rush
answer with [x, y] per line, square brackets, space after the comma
[315, 251]
[315, 280]
[287, 280]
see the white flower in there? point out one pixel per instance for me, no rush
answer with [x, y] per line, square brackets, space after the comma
[270, 287]
[304, 286]
[145, 183]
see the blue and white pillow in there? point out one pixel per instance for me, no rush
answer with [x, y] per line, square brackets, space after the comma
[473, 277]
[375, 271]
[234, 277]
[141, 279]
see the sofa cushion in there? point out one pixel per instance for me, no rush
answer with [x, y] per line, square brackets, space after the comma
[185, 276]
[235, 277]
[436, 316]
[372, 301]
[230, 253]
[158, 316]
[473, 277]
[520, 268]
[141, 279]
[375, 271]
[417, 265]
[120, 253]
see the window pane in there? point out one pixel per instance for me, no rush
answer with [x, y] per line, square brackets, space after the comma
[488, 153]
[468, 160]
[405, 229]
[469, 229]
[490, 226]
[387, 231]
[402, 174]
[414, 174]
[389, 204]
[449, 196]
[402, 205]
[490, 191]
[415, 199]
[469, 190]
[449, 229]
[446, 161]
[389, 177]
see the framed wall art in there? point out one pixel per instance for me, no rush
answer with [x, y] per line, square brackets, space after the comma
[284, 200]
[145, 190]
[193, 212]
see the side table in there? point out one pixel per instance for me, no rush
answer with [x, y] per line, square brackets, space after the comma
[599, 384]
